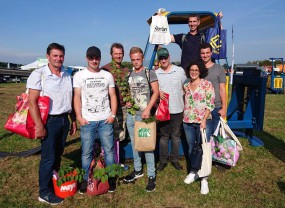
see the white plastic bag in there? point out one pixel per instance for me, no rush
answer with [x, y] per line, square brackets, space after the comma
[159, 30]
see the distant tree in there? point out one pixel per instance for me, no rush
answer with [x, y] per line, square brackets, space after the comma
[266, 62]
[3, 64]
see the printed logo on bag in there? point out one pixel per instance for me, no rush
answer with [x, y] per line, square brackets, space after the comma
[160, 29]
[90, 185]
[144, 132]
[69, 187]
[216, 44]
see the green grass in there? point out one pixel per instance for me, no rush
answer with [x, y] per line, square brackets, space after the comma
[258, 180]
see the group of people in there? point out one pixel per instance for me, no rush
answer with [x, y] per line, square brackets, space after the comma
[93, 98]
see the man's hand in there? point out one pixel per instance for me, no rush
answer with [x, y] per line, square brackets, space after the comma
[110, 119]
[146, 114]
[222, 112]
[73, 128]
[82, 121]
[162, 95]
[40, 132]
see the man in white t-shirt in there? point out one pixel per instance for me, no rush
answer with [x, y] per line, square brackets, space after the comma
[170, 79]
[95, 105]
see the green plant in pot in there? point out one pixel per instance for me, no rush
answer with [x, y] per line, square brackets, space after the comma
[66, 174]
[110, 171]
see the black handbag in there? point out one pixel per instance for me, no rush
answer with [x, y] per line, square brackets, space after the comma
[196, 156]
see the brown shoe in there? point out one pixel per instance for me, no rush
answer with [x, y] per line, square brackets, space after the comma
[177, 166]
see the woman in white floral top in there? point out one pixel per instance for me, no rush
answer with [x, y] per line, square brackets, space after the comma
[199, 102]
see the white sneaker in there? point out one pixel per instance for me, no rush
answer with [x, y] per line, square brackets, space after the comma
[204, 187]
[190, 178]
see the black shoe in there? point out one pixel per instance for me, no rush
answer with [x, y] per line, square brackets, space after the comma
[176, 165]
[133, 175]
[50, 199]
[151, 184]
[83, 187]
[113, 185]
[161, 166]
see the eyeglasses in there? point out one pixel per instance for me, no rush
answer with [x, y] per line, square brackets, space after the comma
[194, 70]
[155, 65]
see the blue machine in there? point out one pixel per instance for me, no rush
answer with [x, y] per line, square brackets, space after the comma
[246, 107]
[275, 82]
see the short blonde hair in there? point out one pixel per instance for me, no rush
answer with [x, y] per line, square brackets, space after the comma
[136, 50]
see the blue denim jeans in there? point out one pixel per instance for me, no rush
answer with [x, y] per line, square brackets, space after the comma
[215, 119]
[149, 156]
[52, 147]
[192, 133]
[89, 132]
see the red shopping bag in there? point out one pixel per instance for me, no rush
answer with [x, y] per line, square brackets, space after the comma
[20, 122]
[96, 187]
[162, 113]
[67, 189]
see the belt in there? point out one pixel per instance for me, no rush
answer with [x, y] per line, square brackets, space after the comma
[59, 115]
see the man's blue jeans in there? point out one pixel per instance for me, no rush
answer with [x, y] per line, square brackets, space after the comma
[52, 147]
[149, 156]
[89, 133]
[215, 119]
[192, 133]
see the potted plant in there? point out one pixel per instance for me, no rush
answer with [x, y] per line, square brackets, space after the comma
[98, 180]
[103, 174]
[66, 179]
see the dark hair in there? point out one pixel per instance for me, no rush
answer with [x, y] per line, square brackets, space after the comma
[55, 46]
[206, 45]
[194, 15]
[117, 45]
[202, 69]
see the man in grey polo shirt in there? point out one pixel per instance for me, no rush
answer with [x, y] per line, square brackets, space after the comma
[170, 79]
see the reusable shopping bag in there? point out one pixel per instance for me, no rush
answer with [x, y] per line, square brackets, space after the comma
[145, 136]
[67, 189]
[162, 112]
[225, 146]
[21, 122]
[206, 166]
[95, 186]
[159, 30]
[217, 38]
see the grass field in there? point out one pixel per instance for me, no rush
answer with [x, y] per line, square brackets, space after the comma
[258, 180]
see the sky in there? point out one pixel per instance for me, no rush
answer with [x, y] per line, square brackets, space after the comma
[29, 26]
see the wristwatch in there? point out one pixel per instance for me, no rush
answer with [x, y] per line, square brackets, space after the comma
[113, 116]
